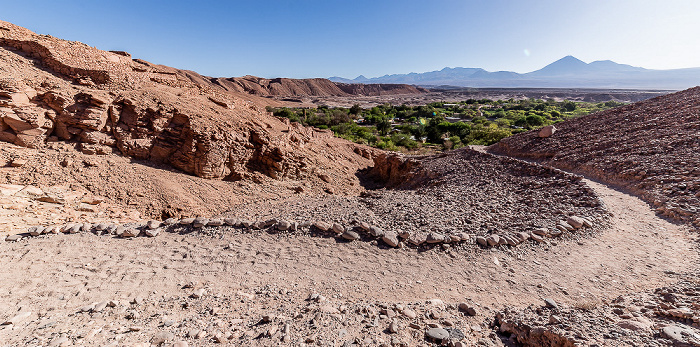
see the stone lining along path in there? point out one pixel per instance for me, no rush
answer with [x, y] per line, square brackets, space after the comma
[352, 231]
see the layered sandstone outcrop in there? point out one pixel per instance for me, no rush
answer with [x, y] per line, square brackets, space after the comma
[107, 102]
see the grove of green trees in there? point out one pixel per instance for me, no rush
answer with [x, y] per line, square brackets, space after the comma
[440, 124]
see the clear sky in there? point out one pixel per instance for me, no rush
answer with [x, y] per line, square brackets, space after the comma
[323, 38]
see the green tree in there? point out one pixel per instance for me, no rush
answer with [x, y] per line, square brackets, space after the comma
[383, 126]
[355, 109]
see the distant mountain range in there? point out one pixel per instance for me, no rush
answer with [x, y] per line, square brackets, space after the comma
[567, 72]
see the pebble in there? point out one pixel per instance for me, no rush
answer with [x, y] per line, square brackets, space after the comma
[153, 224]
[283, 225]
[464, 307]
[186, 221]
[409, 313]
[566, 226]
[541, 231]
[390, 239]
[551, 303]
[215, 222]
[481, 241]
[438, 334]
[376, 231]
[394, 327]
[75, 228]
[171, 221]
[351, 235]
[200, 222]
[435, 238]
[575, 222]
[100, 306]
[338, 229]
[131, 232]
[323, 226]
[36, 230]
[13, 238]
[231, 221]
[493, 240]
[88, 308]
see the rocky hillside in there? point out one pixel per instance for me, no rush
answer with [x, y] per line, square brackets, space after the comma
[309, 87]
[102, 102]
[651, 147]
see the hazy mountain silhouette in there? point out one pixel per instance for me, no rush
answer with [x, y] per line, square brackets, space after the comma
[567, 72]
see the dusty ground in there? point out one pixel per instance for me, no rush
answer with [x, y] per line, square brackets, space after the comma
[250, 275]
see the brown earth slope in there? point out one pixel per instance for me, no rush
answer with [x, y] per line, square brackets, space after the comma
[650, 147]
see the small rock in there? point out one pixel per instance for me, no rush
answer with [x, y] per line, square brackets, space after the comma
[186, 221]
[231, 221]
[323, 226]
[541, 231]
[409, 313]
[18, 162]
[575, 222]
[13, 238]
[390, 239]
[464, 307]
[394, 327]
[435, 238]
[547, 131]
[153, 224]
[438, 334]
[351, 235]
[481, 241]
[338, 229]
[566, 226]
[131, 232]
[100, 306]
[376, 231]
[682, 336]
[536, 237]
[200, 222]
[283, 225]
[551, 303]
[215, 222]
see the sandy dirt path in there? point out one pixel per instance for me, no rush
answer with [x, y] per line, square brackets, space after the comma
[55, 276]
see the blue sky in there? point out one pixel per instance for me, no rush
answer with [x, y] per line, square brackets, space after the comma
[323, 38]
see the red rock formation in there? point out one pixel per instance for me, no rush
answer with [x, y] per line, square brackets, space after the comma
[56, 90]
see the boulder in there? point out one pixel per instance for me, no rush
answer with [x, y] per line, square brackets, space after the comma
[547, 131]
